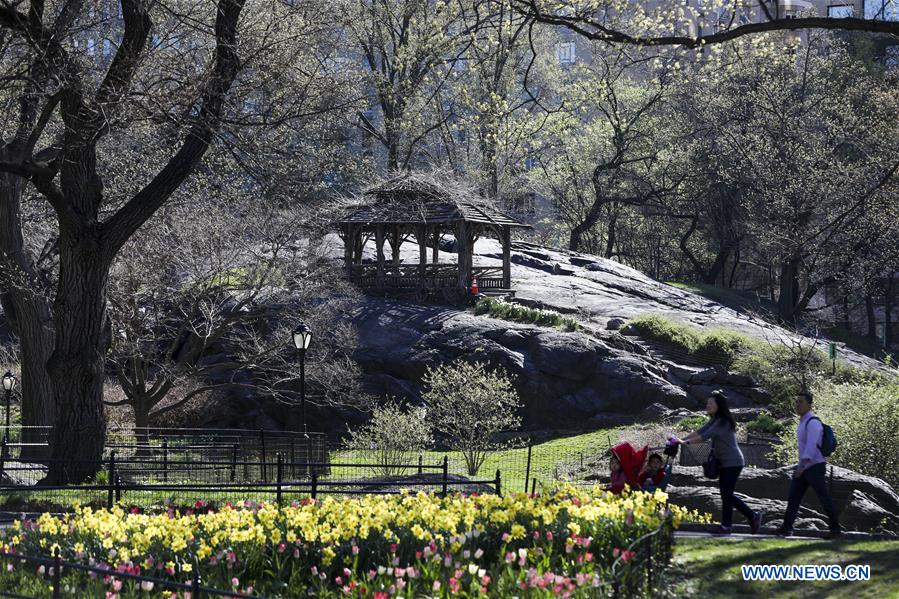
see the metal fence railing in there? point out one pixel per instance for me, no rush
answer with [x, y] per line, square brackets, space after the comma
[642, 569]
[56, 569]
[755, 454]
[125, 481]
[183, 454]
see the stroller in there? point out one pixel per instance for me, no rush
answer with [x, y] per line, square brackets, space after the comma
[633, 462]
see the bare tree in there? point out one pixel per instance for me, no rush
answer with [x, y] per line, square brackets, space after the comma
[608, 151]
[77, 95]
[410, 50]
[811, 147]
[207, 302]
[613, 21]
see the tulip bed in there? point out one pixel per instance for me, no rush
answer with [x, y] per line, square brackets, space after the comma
[563, 543]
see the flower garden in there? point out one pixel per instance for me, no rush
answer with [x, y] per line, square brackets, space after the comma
[563, 543]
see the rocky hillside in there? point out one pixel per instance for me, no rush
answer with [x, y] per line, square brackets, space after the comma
[595, 377]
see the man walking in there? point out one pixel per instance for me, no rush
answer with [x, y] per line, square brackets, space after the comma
[810, 471]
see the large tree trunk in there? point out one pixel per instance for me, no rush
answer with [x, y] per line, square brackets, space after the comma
[29, 316]
[890, 287]
[788, 298]
[869, 317]
[610, 237]
[34, 327]
[141, 408]
[77, 365]
[717, 269]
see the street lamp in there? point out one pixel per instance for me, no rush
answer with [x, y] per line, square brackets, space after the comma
[9, 383]
[302, 337]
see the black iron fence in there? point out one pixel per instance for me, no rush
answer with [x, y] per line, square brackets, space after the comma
[130, 480]
[642, 570]
[54, 569]
[756, 454]
[184, 454]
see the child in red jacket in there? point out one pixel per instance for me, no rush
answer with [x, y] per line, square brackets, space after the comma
[652, 472]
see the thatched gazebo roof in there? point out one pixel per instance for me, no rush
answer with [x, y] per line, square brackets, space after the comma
[412, 199]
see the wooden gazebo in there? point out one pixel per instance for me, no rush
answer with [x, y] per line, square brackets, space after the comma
[413, 207]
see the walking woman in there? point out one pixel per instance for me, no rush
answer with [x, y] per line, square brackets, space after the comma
[721, 430]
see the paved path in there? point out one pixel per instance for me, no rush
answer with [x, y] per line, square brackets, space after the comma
[740, 536]
[741, 533]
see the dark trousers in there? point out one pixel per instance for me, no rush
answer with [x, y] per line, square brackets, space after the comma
[814, 477]
[727, 482]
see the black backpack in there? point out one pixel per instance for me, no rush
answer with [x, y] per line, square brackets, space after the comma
[828, 439]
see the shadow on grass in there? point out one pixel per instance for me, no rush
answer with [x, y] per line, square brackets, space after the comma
[712, 568]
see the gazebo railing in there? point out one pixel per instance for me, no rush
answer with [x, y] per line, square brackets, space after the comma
[489, 277]
[436, 276]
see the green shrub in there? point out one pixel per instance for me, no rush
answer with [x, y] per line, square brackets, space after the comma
[468, 404]
[783, 372]
[692, 423]
[766, 423]
[716, 345]
[721, 346]
[865, 419]
[777, 378]
[781, 369]
[658, 328]
[395, 434]
[509, 311]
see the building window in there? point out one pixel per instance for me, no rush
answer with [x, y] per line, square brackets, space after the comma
[566, 52]
[839, 12]
[91, 46]
[107, 47]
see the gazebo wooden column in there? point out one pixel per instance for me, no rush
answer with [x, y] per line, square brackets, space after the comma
[421, 235]
[506, 241]
[379, 249]
[349, 244]
[436, 244]
[396, 238]
[463, 254]
[358, 245]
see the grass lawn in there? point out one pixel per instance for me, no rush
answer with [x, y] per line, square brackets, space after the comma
[710, 568]
[550, 461]
[733, 298]
[547, 459]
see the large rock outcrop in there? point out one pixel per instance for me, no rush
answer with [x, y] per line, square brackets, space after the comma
[564, 379]
[864, 503]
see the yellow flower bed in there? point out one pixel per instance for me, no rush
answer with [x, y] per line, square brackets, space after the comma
[316, 542]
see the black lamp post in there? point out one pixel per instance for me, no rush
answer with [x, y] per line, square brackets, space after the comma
[302, 337]
[9, 383]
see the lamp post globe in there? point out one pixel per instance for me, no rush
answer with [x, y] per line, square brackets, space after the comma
[9, 381]
[302, 337]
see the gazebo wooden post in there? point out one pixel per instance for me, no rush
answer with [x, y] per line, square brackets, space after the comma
[421, 232]
[358, 245]
[463, 252]
[506, 242]
[379, 248]
[349, 244]
[436, 244]
[395, 242]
